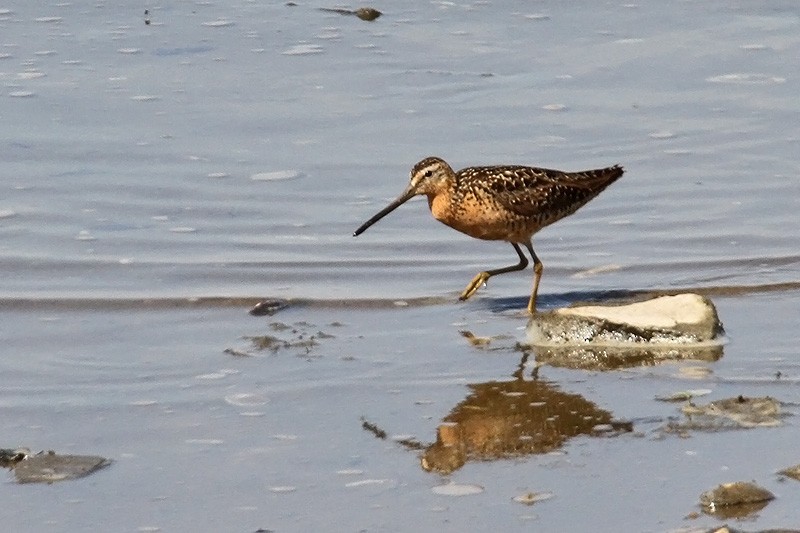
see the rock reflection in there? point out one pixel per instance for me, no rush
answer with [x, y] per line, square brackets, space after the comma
[612, 357]
[507, 419]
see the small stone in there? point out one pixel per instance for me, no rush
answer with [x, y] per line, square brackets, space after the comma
[737, 493]
[48, 467]
[268, 307]
[683, 396]
[792, 472]
[367, 13]
[11, 456]
[529, 498]
[474, 340]
[742, 411]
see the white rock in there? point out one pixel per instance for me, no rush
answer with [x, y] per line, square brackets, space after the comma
[662, 312]
[668, 320]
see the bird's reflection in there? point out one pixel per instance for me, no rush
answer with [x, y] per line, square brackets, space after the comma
[507, 419]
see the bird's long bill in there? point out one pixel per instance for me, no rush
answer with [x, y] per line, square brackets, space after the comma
[403, 198]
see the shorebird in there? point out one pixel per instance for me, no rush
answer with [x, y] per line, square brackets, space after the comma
[500, 203]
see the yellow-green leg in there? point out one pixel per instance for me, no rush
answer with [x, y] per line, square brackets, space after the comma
[483, 277]
[538, 267]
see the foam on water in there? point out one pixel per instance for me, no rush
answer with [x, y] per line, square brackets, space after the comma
[218, 23]
[747, 78]
[303, 49]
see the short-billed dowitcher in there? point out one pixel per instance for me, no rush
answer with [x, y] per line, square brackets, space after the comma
[501, 203]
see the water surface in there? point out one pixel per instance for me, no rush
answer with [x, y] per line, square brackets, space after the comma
[158, 178]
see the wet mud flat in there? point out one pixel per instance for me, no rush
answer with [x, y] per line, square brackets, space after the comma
[385, 417]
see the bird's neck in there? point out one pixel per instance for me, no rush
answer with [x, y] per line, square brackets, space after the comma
[441, 205]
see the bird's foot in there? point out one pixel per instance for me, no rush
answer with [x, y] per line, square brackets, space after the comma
[476, 283]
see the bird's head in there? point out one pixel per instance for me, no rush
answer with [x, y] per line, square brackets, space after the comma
[430, 176]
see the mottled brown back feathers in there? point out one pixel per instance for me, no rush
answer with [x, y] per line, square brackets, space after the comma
[528, 191]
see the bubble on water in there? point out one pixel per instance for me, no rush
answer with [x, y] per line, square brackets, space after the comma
[218, 23]
[183, 229]
[246, 399]
[160, 218]
[145, 98]
[329, 34]
[143, 403]
[754, 47]
[204, 441]
[695, 372]
[72, 62]
[745, 78]
[278, 175]
[129, 51]
[7, 213]
[550, 140]
[280, 489]
[350, 472]
[218, 175]
[84, 235]
[661, 135]
[303, 50]
[21, 94]
[537, 16]
[457, 489]
[45, 53]
[5, 11]
[49, 19]
[212, 375]
[365, 482]
[30, 75]
[5, 56]
[217, 375]
[554, 107]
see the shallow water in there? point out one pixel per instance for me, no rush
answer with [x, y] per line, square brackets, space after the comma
[158, 179]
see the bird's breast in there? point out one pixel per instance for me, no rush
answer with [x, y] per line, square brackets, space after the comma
[479, 218]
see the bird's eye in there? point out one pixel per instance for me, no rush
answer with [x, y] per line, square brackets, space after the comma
[428, 173]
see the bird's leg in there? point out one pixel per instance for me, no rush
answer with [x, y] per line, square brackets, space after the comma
[537, 275]
[483, 277]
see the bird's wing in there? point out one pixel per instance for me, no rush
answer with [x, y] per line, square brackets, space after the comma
[528, 191]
